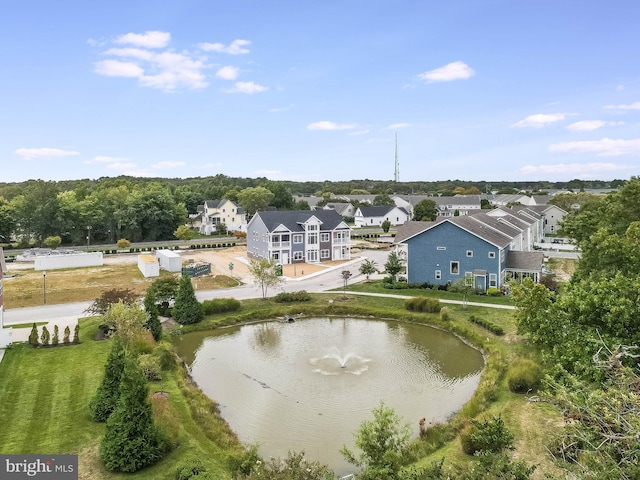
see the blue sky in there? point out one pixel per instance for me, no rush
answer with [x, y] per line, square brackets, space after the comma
[317, 90]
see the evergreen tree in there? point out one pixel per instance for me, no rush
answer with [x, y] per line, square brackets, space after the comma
[45, 336]
[131, 440]
[187, 309]
[56, 339]
[153, 322]
[33, 336]
[76, 334]
[67, 334]
[104, 401]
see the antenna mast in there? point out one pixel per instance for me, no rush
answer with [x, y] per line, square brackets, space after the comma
[397, 169]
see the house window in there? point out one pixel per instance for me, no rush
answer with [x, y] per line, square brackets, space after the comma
[455, 268]
[297, 256]
[275, 256]
[493, 280]
[469, 253]
[438, 274]
[297, 238]
[492, 254]
[324, 254]
[324, 237]
[441, 248]
[312, 239]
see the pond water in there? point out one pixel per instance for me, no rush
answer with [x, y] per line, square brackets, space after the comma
[309, 385]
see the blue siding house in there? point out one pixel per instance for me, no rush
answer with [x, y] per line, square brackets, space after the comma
[466, 248]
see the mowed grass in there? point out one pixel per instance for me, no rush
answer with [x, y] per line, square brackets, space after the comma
[86, 284]
[44, 397]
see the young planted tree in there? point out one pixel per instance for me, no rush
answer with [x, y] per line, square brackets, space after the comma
[76, 334]
[104, 401]
[33, 336]
[45, 336]
[346, 275]
[187, 309]
[265, 273]
[153, 322]
[52, 242]
[67, 334]
[393, 266]
[56, 336]
[382, 442]
[184, 232]
[131, 440]
[386, 225]
[368, 268]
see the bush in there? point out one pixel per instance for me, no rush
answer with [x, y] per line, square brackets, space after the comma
[396, 286]
[423, 304]
[493, 292]
[44, 338]
[524, 375]
[445, 314]
[56, 336]
[220, 305]
[123, 244]
[150, 367]
[33, 336]
[190, 469]
[299, 296]
[488, 436]
[492, 327]
[166, 358]
[67, 334]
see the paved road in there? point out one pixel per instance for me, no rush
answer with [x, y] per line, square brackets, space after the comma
[319, 282]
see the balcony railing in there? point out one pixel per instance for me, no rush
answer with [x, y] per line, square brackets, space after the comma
[280, 245]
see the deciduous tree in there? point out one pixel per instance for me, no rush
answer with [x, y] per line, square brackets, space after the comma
[266, 274]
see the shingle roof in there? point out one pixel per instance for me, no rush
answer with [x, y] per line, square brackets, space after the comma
[496, 223]
[378, 211]
[409, 229]
[293, 219]
[530, 261]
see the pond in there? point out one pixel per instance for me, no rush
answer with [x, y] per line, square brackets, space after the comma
[309, 385]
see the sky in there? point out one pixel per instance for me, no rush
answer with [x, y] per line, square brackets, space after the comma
[511, 90]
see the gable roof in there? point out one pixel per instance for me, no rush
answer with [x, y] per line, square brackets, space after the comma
[496, 224]
[466, 223]
[379, 211]
[294, 219]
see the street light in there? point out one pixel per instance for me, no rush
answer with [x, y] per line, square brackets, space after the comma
[44, 285]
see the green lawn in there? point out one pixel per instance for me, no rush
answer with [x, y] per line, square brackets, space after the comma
[44, 392]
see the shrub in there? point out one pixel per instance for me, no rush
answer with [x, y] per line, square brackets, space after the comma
[190, 469]
[33, 336]
[76, 334]
[123, 244]
[488, 436]
[524, 375]
[220, 305]
[110, 297]
[492, 327]
[396, 285]
[423, 304]
[493, 292]
[150, 367]
[44, 337]
[289, 297]
[166, 358]
[56, 336]
[67, 334]
[445, 314]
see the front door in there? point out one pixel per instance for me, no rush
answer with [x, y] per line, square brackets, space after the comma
[285, 258]
[480, 284]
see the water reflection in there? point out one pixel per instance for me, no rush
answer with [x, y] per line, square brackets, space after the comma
[308, 385]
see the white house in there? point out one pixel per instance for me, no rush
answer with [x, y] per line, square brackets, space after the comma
[374, 216]
[223, 211]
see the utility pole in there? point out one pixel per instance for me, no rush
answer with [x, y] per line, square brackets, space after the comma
[396, 176]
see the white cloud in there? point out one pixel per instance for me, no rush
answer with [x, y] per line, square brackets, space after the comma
[395, 126]
[139, 53]
[168, 164]
[359, 132]
[630, 106]
[44, 153]
[148, 39]
[121, 166]
[116, 68]
[573, 168]
[539, 120]
[234, 48]
[590, 125]
[606, 147]
[228, 73]
[328, 126]
[247, 87]
[451, 71]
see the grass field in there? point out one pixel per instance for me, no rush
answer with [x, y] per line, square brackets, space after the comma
[26, 289]
[44, 392]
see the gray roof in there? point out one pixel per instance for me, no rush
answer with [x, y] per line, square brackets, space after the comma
[494, 222]
[409, 229]
[340, 207]
[477, 228]
[312, 200]
[469, 200]
[293, 219]
[529, 261]
[218, 203]
[379, 211]
[542, 199]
